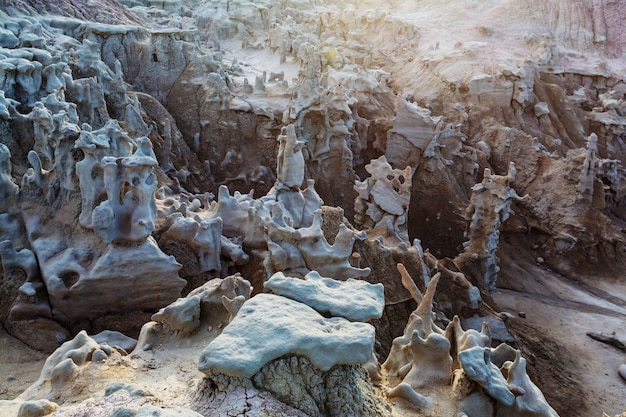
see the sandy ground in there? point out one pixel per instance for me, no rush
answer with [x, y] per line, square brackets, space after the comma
[577, 373]
[567, 323]
[19, 366]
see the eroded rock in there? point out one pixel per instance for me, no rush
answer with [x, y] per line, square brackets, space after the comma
[269, 326]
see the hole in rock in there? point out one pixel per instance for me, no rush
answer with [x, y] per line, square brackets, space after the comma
[77, 154]
[69, 278]
[125, 189]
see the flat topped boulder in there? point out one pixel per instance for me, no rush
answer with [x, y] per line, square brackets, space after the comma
[269, 326]
[354, 299]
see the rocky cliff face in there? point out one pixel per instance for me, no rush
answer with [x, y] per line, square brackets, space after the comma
[107, 11]
[151, 146]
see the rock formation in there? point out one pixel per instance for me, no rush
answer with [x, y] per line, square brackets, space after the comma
[230, 186]
[240, 351]
[490, 206]
[428, 366]
[384, 198]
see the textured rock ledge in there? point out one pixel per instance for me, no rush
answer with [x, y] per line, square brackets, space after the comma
[269, 326]
[355, 300]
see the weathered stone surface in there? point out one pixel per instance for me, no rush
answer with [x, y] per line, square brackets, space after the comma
[345, 390]
[221, 395]
[490, 206]
[497, 327]
[429, 366]
[37, 408]
[529, 400]
[64, 367]
[212, 304]
[148, 276]
[349, 82]
[307, 249]
[622, 371]
[354, 300]
[269, 326]
[108, 11]
[113, 338]
[476, 362]
[383, 198]
[39, 333]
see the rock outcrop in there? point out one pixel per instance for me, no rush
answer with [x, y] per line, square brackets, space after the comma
[428, 366]
[154, 153]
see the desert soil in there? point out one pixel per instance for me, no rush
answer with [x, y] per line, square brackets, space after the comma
[19, 366]
[577, 374]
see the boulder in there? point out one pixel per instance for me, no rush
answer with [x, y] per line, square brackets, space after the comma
[355, 300]
[270, 326]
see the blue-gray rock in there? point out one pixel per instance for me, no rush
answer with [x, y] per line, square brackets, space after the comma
[269, 326]
[353, 299]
